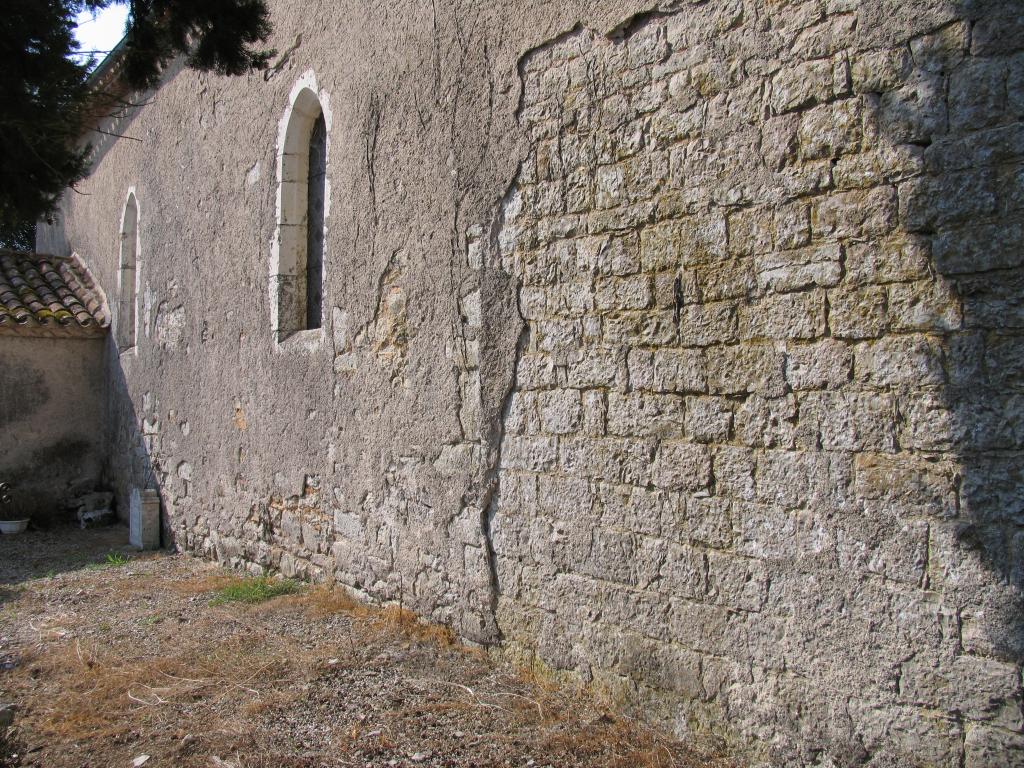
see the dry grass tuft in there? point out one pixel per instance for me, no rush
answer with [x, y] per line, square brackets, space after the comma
[99, 693]
[618, 742]
[406, 622]
[295, 681]
[326, 600]
[322, 600]
[209, 583]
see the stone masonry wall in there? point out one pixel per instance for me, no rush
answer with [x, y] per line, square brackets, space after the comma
[52, 422]
[681, 350]
[763, 453]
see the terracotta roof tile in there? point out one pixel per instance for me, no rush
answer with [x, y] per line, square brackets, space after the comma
[52, 293]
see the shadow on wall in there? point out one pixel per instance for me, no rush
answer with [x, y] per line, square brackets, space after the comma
[132, 440]
[954, 115]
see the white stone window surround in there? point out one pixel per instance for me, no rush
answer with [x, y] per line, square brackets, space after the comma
[287, 250]
[129, 275]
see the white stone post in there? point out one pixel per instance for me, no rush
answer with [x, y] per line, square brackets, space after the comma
[144, 518]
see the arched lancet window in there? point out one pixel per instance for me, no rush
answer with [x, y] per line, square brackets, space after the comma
[127, 274]
[315, 199]
[297, 271]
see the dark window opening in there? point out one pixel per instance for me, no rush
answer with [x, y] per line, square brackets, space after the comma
[316, 193]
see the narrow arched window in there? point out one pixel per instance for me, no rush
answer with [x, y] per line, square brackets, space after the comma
[315, 198]
[297, 268]
[127, 274]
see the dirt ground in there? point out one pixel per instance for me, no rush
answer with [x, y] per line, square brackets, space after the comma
[129, 660]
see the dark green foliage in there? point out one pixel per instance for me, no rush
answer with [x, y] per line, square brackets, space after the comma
[21, 238]
[45, 95]
[216, 35]
[42, 97]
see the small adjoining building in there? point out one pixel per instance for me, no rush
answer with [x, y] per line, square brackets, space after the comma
[53, 382]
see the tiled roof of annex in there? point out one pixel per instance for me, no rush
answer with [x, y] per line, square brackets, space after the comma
[49, 295]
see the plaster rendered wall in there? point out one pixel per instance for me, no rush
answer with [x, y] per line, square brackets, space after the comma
[681, 348]
[52, 401]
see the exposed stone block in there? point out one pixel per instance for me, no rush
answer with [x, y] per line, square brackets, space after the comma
[797, 479]
[896, 259]
[708, 419]
[982, 689]
[706, 522]
[880, 71]
[682, 466]
[704, 324]
[614, 293]
[998, 31]
[979, 247]
[823, 364]
[623, 460]
[745, 369]
[736, 582]
[534, 454]
[882, 165]
[748, 233]
[916, 112]
[766, 423]
[640, 510]
[560, 411]
[785, 316]
[714, 283]
[907, 730]
[944, 49]
[779, 141]
[594, 366]
[978, 149]
[792, 225]
[924, 306]
[535, 371]
[611, 556]
[988, 747]
[830, 130]
[641, 414]
[734, 472]
[656, 328]
[910, 485]
[928, 203]
[799, 269]
[856, 213]
[845, 421]
[990, 489]
[801, 85]
[1015, 88]
[912, 360]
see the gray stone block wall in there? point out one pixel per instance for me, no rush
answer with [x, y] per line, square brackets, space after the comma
[763, 450]
[679, 351]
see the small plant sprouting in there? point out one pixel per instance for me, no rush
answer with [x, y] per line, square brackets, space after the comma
[116, 558]
[254, 590]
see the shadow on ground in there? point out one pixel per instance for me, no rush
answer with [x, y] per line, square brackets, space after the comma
[39, 553]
